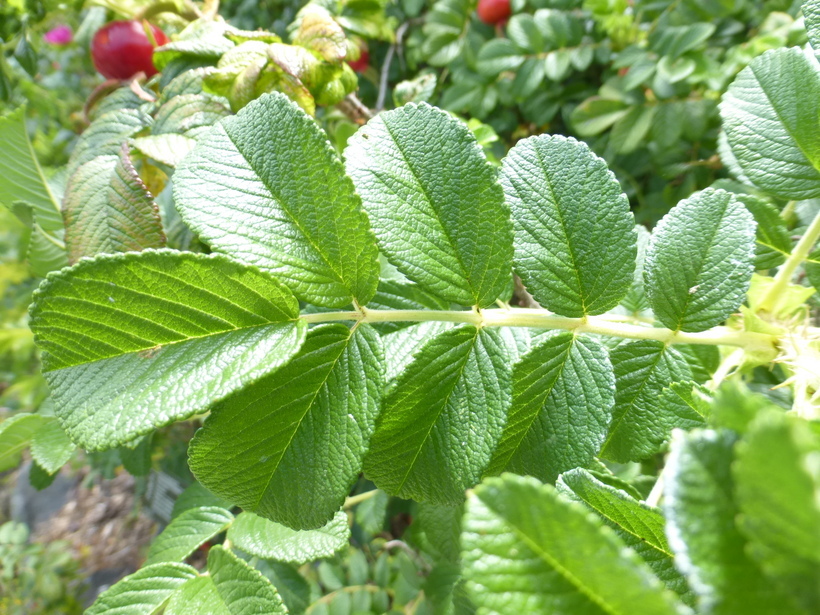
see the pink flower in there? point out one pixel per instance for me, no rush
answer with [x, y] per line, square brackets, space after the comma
[61, 35]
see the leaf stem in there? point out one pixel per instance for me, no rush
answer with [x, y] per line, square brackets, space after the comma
[543, 319]
[785, 273]
[359, 498]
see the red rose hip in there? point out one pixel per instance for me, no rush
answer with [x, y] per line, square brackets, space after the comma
[121, 49]
[493, 12]
[362, 63]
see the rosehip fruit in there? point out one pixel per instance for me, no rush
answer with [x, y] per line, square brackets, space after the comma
[121, 49]
[493, 12]
[362, 63]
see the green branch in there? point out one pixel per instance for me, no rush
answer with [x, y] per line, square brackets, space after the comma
[543, 319]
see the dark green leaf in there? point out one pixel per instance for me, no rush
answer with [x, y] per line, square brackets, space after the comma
[434, 202]
[563, 394]
[267, 187]
[575, 243]
[135, 341]
[290, 447]
[700, 261]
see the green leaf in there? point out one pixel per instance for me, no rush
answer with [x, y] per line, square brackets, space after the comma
[674, 41]
[269, 540]
[169, 149]
[443, 418]
[21, 178]
[640, 526]
[136, 456]
[106, 134]
[640, 426]
[434, 202]
[709, 549]
[527, 550]
[243, 590]
[770, 119]
[442, 528]
[266, 187]
[773, 240]
[201, 40]
[290, 447]
[135, 341]
[189, 115]
[401, 346]
[232, 587]
[292, 586]
[197, 597]
[39, 478]
[194, 496]
[144, 592]
[107, 209]
[595, 115]
[563, 394]
[635, 300]
[46, 251]
[186, 532]
[811, 13]
[700, 261]
[50, 447]
[498, 55]
[575, 243]
[16, 433]
[777, 485]
[320, 33]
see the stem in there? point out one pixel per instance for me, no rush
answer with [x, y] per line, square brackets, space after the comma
[654, 497]
[543, 319]
[785, 273]
[358, 499]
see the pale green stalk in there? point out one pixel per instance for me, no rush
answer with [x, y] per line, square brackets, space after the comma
[786, 272]
[543, 319]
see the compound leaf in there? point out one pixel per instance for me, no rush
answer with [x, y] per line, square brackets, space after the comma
[434, 202]
[442, 419]
[575, 243]
[290, 447]
[700, 261]
[135, 341]
[267, 188]
[525, 549]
